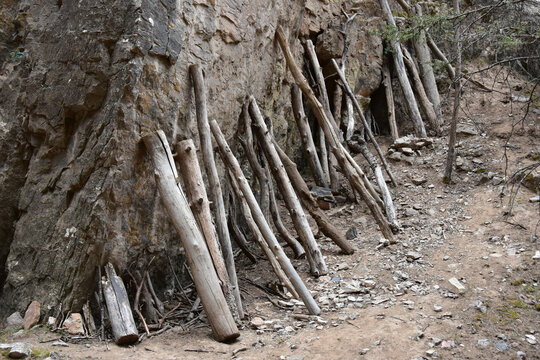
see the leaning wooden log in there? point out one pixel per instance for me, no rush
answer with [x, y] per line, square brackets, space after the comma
[387, 80]
[425, 103]
[199, 260]
[259, 239]
[387, 198]
[402, 76]
[120, 315]
[216, 196]
[332, 172]
[232, 163]
[297, 249]
[306, 138]
[350, 93]
[311, 205]
[347, 164]
[186, 155]
[237, 233]
[313, 253]
[247, 141]
[440, 55]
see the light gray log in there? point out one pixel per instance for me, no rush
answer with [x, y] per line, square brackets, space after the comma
[387, 80]
[313, 253]
[440, 55]
[118, 307]
[349, 92]
[305, 136]
[425, 103]
[402, 76]
[216, 196]
[232, 163]
[199, 260]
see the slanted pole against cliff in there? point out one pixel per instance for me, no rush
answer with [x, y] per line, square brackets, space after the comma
[199, 260]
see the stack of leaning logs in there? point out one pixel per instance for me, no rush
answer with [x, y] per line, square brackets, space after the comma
[208, 248]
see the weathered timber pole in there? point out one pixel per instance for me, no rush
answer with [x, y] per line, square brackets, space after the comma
[305, 136]
[387, 80]
[313, 253]
[402, 76]
[347, 164]
[186, 154]
[120, 315]
[371, 137]
[199, 260]
[216, 196]
[309, 203]
[232, 163]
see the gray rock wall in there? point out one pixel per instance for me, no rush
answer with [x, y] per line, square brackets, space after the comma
[81, 81]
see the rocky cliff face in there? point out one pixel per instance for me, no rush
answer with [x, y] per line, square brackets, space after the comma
[80, 81]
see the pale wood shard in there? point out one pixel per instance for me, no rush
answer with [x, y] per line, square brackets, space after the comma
[313, 253]
[399, 65]
[198, 258]
[267, 233]
[214, 186]
[120, 315]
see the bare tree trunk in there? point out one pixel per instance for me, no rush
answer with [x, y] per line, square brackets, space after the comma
[324, 224]
[186, 154]
[349, 92]
[402, 76]
[387, 79]
[199, 260]
[236, 232]
[246, 212]
[216, 196]
[347, 164]
[426, 105]
[258, 217]
[457, 98]
[313, 253]
[305, 136]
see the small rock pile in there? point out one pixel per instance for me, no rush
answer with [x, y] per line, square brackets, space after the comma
[407, 147]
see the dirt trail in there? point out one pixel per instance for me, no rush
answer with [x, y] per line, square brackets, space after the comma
[396, 302]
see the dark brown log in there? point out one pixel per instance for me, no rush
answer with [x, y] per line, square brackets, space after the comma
[425, 103]
[310, 204]
[259, 239]
[348, 168]
[216, 196]
[118, 307]
[233, 165]
[305, 136]
[157, 301]
[402, 76]
[199, 260]
[313, 253]
[349, 92]
[238, 235]
[186, 155]
[387, 80]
